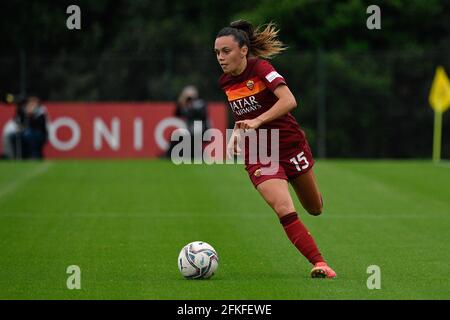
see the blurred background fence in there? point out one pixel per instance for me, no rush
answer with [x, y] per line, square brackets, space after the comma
[369, 105]
[361, 92]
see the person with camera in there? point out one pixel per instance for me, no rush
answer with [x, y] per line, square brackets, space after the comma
[26, 134]
[35, 132]
[191, 108]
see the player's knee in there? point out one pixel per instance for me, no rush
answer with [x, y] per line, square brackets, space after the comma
[282, 208]
[315, 210]
[316, 207]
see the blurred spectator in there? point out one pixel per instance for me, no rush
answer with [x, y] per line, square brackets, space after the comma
[191, 108]
[11, 131]
[25, 136]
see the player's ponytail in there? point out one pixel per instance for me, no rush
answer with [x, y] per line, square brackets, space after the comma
[262, 42]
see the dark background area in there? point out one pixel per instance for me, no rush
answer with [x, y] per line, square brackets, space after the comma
[361, 93]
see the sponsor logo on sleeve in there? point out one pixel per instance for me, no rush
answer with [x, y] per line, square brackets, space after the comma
[272, 76]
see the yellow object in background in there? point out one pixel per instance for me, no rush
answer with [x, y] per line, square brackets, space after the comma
[440, 91]
[440, 101]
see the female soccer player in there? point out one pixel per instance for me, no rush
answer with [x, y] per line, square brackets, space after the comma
[260, 99]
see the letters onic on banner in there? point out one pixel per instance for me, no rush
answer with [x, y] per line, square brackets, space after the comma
[112, 130]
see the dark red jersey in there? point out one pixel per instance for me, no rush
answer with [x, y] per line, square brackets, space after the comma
[250, 94]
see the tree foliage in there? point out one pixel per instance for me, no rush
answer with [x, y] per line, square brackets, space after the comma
[375, 86]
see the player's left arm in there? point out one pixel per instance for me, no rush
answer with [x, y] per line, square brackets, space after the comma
[286, 103]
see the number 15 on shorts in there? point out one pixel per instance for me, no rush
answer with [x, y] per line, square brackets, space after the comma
[300, 161]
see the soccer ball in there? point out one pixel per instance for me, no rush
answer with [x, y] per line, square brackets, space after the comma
[198, 260]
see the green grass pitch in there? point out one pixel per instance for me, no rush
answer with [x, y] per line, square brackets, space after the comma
[124, 222]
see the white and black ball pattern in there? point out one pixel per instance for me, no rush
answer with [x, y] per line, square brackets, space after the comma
[198, 260]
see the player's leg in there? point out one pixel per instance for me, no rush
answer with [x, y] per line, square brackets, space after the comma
[307, 190]
[276, 193]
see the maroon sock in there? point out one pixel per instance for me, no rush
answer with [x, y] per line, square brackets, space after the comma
[301, 238]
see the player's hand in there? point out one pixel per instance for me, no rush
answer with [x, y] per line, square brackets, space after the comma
[233, 147]
[249, 124]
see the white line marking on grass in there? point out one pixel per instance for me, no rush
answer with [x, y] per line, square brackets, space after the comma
[387, 216]
[444, 164]
[187, 215]
[16, 183]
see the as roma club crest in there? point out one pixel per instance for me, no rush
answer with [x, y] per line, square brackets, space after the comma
[257, 173]
[250, 84]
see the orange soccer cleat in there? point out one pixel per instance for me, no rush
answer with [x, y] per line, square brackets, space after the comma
[322, 270]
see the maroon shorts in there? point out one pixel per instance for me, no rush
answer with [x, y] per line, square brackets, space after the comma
[294, 162]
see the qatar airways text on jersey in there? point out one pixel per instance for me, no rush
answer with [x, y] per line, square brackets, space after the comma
[244, 105]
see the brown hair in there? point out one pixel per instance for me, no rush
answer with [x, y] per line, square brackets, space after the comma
[262, 42]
